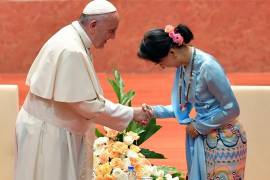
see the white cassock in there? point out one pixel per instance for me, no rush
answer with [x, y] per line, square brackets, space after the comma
[64, 103]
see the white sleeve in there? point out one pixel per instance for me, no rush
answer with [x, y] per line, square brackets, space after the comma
[105, 112]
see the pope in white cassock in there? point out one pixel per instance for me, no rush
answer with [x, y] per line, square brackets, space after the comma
[65, 101]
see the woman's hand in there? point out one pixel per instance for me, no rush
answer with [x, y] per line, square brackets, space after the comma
[140, 116]
[190, 129]
[148, 110]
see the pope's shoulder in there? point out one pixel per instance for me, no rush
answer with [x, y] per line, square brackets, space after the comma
[66, 39]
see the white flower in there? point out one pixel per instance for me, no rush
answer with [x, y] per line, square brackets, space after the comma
[134, 135]
[99, 151]
[127, 163]
[100, 142]
[147, 170]
[100, 145]
[168, 177]
[119, 174]
[128, 140]
[96, 161]
[130, 137]
[132, 154]
[160, 173]
[154, 171]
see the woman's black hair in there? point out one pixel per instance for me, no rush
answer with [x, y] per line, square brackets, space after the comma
[157, 43]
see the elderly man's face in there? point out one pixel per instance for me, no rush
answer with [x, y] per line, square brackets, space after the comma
[105, 29]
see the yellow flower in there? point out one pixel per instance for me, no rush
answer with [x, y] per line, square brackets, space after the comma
[135, 148]
[104, 157]
[134, 135]
[111, 152]
[115, 155]
[139, 170]
[109, 177]
[110, 132]
[119, 147]
[111, 142]
[141, 155]
[99, 177]
[133, 161]
[116, 162]
[103, 169]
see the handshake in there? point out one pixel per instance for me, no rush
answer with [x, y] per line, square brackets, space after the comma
[143, 114]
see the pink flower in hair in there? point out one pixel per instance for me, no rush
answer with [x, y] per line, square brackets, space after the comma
[171, 34]
[178, 39]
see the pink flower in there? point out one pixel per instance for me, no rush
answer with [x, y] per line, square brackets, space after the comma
[171, 34]
[178, 39]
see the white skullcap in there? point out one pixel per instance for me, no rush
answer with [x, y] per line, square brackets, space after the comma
[99, 7]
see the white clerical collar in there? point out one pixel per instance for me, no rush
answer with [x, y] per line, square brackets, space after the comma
[86, 40]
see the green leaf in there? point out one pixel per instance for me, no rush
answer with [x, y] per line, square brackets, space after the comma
[150, 129]
[120, 137]
[167, 169]
[117, 76]
[135, 127]
[119, 82]
[151, 154]
[179, 175]
[115, 88]
[98, 133]
[126, 99]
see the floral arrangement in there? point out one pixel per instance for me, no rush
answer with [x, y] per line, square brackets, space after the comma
[115, 151]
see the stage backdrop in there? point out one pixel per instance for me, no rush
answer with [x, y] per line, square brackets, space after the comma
[235, 31]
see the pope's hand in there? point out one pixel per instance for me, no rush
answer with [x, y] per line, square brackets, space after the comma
[140, 116]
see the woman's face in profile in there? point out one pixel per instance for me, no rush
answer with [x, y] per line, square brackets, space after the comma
[168, 61]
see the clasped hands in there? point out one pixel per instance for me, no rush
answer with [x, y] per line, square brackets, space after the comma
[142, 115]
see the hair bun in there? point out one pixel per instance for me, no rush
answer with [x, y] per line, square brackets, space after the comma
[185, 32]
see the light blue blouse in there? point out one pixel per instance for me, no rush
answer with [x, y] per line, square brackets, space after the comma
[210, 94]
[215, 104]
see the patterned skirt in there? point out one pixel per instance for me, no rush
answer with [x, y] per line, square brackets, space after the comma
[225, 153]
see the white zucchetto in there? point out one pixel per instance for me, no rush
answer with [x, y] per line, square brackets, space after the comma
[99, 7]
